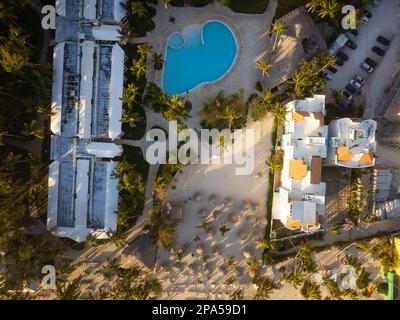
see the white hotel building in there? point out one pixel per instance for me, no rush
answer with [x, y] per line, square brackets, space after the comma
[88, 80]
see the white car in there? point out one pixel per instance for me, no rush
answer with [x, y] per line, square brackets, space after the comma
[355, 84]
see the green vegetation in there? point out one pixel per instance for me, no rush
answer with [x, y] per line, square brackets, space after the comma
[131, 170]
[162, 230]
[224, 112]
[310, 290]
[246, 6]
[325, 9]
[285, 6]
[25, 95]
[265, 287]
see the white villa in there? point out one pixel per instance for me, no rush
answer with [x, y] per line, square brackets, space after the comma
[300, 200]
[87, 85]
[352, 144]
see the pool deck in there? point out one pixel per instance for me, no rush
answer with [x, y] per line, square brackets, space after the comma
[252, 36]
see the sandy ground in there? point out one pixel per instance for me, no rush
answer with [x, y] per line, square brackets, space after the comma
[223, 182]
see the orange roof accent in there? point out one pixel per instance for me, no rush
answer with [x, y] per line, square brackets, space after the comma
[343, 154]
[293, 223]
[296, 116]
[367, 158]
[297, 169]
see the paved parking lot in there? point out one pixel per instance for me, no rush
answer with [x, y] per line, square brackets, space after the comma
[385, 21]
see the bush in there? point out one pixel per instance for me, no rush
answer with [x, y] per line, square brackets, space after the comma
[363, 279]
[383, 288]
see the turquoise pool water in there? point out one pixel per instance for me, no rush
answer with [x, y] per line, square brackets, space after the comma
[197, 55]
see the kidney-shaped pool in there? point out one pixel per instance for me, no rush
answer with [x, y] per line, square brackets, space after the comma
[198, 54]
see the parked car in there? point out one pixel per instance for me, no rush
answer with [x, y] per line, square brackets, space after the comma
[339, 62]
[351, 89]
[376, 3]
[347, 95]
[332, 69]
[378, 51]
[359, 79]
[356, 84]
[351, 45]
[327, 76]
[366, 16]
[371, 62]
[354, 32]
[342, 56]
[383, 40]
[366, 67]
[344, 103]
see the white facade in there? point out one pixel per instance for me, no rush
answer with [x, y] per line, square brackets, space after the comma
[352, 144]
[300, 200]
[87, 86]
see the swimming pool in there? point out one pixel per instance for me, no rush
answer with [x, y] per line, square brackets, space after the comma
[198, 54]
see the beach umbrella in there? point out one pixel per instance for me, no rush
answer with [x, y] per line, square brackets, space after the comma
[251, 220]
[212, 199]
[242, 234]
[239, 271]
[203, 212]
[200, 249]
[246, 205]
[248, 253]
[233, 217]
[216, 214]
[228, 202]
[255, 206]
[217, 250]
[223, 268]
[197, 196]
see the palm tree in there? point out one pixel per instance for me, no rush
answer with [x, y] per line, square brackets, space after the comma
[109, 268]
[329, 8]
[130, 93]
[267, 96]
[330, 61]
[205, 225]
[126, 34]
[313, 5]
[158, 60]
[337, 94]
[131, 118]
[33, 128]
[265, 287]
[278, 27]
[139, 68]
[264, 66]
[144, 50]
[230, 261]
[224, 229]
[279, 112]
[237, 294]
[300, 81]
[274, 165]
[139, 9]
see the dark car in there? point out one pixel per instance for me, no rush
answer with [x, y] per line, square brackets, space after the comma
[354, 32]
[367, 14]
[339, 62]
[383, 40]
[378, 51]
[342, 56]
[351, 89]
[347, 95]
[371, 62]
[344, 103]
[351, 45]
[332, 69]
